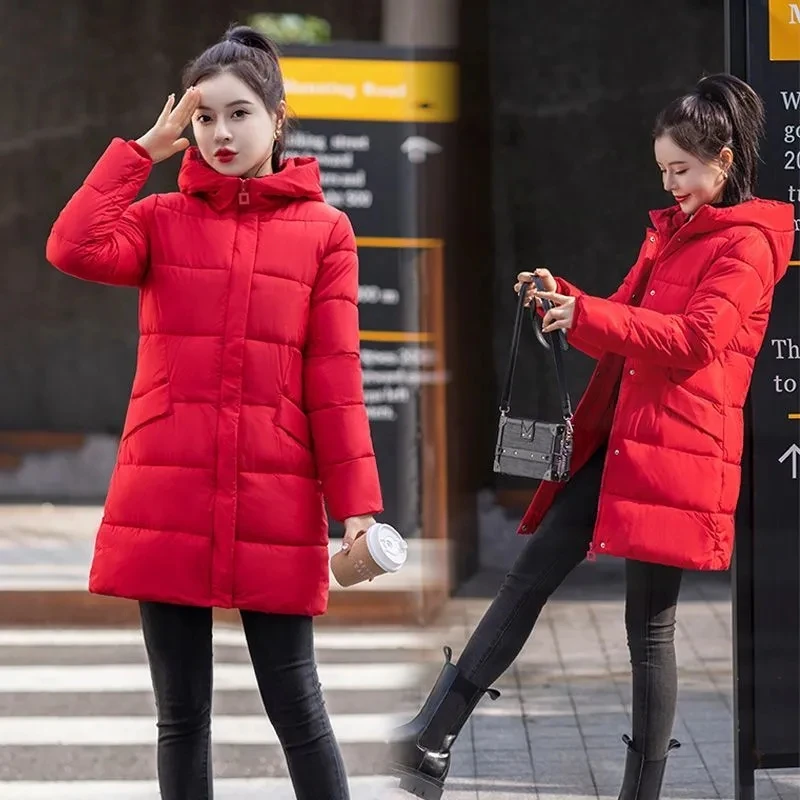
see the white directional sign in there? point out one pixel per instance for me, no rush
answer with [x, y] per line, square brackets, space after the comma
[792, 453]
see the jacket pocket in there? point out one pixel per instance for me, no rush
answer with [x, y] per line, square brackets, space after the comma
[699, 416]
[293, 420]
[147, 407]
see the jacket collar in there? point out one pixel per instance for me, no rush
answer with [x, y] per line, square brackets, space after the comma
[773, 218]
[297, 179]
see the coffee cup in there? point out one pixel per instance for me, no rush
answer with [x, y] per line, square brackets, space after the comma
[380, 549]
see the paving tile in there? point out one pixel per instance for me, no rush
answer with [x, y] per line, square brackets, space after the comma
[712, 731]
[500, 733]
[786, 783]
[510, 764]
[566, 769]
[463, 765]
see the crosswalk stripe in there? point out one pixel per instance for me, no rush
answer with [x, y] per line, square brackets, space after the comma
[77, 717]
[227, 677]
[116, 731]
[377, 787]
[323, 639]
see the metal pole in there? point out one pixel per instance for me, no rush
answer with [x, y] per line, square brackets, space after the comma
[736, 63]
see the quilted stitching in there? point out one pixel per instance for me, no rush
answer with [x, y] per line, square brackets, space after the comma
[683, 353]
[216, 499]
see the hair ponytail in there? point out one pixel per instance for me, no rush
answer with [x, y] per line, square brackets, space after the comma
[248, 37]
[721, 111]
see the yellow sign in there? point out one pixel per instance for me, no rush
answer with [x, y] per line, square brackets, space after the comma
[784, 30]
[366, 89]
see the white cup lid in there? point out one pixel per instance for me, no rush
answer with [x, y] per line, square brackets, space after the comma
[387, 547]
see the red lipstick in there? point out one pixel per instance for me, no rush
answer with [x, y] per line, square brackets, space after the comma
[224, 155]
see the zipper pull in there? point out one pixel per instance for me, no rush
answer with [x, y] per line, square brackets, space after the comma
[244, 195]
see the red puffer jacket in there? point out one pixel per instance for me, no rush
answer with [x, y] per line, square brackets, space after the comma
[247, 402]
[680, 336]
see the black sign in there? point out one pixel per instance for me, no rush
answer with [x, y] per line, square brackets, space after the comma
[764, 47]
[386, 176]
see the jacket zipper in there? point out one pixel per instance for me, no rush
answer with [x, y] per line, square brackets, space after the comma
[243, 198]
[244, 193]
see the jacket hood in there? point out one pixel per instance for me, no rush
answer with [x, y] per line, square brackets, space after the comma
[297, 179]
[772, 217]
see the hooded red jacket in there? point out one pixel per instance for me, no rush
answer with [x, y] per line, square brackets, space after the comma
[247, 403]
[680, 336]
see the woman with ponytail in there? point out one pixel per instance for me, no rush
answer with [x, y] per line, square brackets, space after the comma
[246, 412]
[658, 432]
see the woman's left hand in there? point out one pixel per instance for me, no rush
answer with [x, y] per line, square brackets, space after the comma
[562, 313]
[353, 526]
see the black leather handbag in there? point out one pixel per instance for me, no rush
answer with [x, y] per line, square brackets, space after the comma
[531, 448]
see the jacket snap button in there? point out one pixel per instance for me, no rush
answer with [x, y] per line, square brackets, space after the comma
[616, 452]
[652, 292]
[602, 544]
[652, 238]
[632, 372]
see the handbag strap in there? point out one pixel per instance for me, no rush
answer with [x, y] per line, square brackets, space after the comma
[557, 342]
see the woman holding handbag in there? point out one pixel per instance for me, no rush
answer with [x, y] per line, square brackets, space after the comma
[246, 410]
[658, 433]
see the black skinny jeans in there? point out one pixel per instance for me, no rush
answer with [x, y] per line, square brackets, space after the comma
[179, 647]
[558, 546]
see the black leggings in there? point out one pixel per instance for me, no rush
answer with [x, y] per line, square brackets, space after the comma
[558, 546]
[179, 648]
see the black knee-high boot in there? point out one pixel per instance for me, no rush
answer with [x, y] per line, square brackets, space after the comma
[420, 749]
[643, 777]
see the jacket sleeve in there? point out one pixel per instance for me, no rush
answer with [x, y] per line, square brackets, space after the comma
[333, 384]
[726, 296]
[101, 234]
[621, 295]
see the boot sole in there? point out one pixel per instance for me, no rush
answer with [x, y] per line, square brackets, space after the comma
[418, 784]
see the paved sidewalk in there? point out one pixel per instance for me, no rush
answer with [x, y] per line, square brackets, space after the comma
[555, 732]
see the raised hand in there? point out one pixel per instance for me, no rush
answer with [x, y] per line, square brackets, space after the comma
[164, 139]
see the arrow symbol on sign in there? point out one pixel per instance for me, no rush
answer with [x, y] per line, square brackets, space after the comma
[417, 148]
[794, 452]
